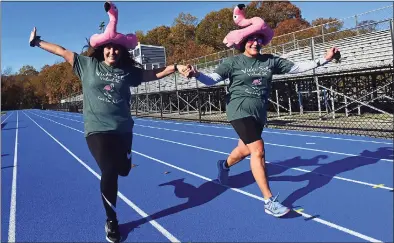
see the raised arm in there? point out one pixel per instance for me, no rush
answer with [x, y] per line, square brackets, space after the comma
[282, 65]
[50, 47]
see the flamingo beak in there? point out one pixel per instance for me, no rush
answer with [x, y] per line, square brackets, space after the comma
[107, 6]
[241, 6]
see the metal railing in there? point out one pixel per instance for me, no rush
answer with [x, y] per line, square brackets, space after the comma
[295, 40]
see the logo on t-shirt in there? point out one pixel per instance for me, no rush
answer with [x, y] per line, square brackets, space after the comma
[108, 93]
[112, 77]
[257, 71]
[256, 82]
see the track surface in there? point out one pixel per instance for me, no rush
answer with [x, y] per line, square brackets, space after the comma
[340, 187]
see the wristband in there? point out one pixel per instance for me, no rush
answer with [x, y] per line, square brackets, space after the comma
[34, 41]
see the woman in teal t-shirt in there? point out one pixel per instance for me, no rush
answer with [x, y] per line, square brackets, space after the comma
[250, 75]
[107, 74]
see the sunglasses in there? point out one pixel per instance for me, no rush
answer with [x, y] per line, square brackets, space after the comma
[253, 39]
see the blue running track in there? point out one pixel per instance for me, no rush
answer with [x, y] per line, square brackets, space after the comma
[340, 187]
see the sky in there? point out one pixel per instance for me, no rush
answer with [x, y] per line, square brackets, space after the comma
[69, 23]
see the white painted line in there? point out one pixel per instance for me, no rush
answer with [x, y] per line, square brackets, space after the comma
[65, 114]
[273, 144]
[319, 220]
[310, 143]
[297, 169]
[7, 117]
[267, 143]
[11, 225]
[220, 152]
[322, 221]
[64, 118]
[265, 131]
[161, 229]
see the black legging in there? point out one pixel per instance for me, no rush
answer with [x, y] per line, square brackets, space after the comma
[112, 153]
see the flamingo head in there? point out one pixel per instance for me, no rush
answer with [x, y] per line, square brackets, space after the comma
[239, 13]
[110, 8]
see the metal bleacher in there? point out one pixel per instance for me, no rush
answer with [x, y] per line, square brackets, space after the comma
[359, 51]
[369, 50]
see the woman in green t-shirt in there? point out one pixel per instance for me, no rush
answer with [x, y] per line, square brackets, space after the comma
[250, 76]
[107, 73]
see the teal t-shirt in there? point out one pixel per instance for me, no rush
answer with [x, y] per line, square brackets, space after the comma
[250, 84]
[106, 95]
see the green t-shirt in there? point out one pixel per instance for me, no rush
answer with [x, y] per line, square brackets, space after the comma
[106, 95]
[250, 84]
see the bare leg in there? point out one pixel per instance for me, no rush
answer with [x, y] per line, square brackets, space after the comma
[257, 164]
[238, 153]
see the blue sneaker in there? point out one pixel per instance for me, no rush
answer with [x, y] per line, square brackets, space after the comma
[222, 172]
[275, 208]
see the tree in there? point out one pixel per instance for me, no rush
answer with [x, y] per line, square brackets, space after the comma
[28, 70]
[102, 27]
[140, 36]
[273, 12]
[366, 26]
[7, 71]
[214, 27]
[158, 36]
[291, 25]
[183, 28]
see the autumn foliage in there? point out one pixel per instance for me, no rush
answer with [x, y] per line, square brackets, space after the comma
[186, 39]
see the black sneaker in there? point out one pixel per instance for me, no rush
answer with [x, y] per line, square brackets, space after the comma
[112, 231]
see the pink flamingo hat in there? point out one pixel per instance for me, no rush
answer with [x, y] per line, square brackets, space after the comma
[110, 35]
[252, 26]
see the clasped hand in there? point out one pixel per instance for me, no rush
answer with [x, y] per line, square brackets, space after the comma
[187, 71]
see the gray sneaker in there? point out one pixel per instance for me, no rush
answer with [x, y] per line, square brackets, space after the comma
[275, 208]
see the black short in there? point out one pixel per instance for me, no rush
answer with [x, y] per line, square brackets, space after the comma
[248, 129]
[112, 151]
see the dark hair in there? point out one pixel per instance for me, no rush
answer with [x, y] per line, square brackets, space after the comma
[242, 46]
[243, 43]
[126, 59]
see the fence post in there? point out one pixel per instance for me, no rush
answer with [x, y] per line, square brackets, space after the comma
[294, 41]
[177, 93]
[332, 102]
[315, 77]
[277, 103]
[392, 36]
[198, 102]
[136, 102]
[161, 101]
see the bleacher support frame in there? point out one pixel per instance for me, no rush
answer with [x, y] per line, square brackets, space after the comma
[360, 89]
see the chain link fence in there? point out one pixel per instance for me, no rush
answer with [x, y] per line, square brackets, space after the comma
[356, 103]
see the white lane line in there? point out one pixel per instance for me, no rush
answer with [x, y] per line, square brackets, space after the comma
[308, 216]
[267, 143]
[11, 226]
[160, 228]
[297, 169]
[319, 220]
[265, 131]
[220, 152]
[273, 144]
[7, 117]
